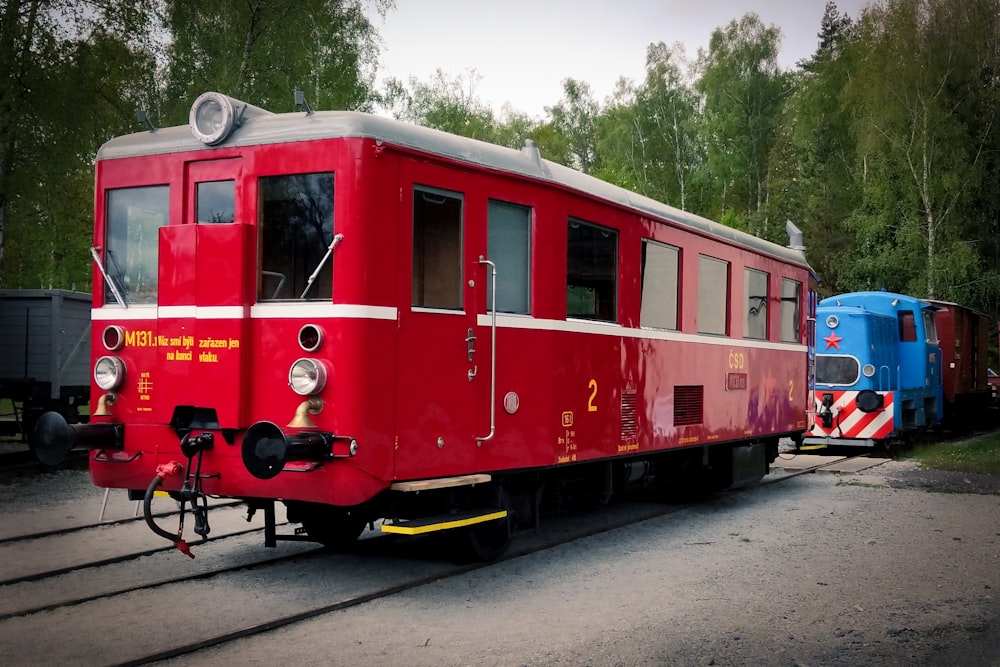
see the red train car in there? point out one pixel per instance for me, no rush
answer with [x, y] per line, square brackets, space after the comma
[369, 320]
[963, 335]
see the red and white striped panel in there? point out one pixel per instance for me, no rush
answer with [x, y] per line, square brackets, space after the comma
[849, 421]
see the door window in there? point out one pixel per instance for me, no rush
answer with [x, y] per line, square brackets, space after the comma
[509, 246]
[437, 249]
[215, 201]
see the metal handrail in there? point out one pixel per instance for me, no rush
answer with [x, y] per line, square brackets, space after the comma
[493, 355]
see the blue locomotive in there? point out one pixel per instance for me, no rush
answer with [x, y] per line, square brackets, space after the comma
[878, 370]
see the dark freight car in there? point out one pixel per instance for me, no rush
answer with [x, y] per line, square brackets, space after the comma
[964, 338]
[44, 356]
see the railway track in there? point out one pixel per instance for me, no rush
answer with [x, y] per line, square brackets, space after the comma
[388, 580]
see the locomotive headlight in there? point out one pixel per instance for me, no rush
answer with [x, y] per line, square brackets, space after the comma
[109, 373]
[212, 118]
[832, 321]
[307, 376]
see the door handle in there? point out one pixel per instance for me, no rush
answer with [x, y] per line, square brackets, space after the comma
[470, 341]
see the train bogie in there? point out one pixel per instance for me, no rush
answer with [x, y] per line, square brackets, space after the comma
[368, 321]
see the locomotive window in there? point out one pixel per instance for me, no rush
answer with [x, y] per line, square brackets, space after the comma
[296, 229]
[790, 291]
[437, 249]
[591, 272]
[215, 201]
[509, 245]
[907, 326]
[755, 318]
[836, 369]
[132, 241]
[713, 295]
[660, 266]
[930, 327]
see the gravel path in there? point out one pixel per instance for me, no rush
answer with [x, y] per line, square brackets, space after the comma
[891, 566]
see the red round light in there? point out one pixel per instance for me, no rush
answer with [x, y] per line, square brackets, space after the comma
[113, 337]
[310, 337]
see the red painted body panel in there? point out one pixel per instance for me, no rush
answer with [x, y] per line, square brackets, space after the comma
[399, 378]
[964, 340]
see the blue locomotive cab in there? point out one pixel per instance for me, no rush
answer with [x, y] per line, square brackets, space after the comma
[877, 369]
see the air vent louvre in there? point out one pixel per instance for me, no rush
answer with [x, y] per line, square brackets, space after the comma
[630, 421]
[689, 404]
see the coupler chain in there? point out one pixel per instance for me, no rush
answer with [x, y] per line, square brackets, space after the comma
[190, 492]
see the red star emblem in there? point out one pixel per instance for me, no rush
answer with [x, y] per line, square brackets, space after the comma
[833, 340]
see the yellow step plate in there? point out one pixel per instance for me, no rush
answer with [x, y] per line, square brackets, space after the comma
[443, 522]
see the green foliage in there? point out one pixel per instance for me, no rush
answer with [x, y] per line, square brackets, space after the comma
[743, 92]
[260, 51]
[883, 146]
[65, 79]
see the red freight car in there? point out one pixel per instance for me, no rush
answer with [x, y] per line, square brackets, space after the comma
[368, 320]
[963, 335]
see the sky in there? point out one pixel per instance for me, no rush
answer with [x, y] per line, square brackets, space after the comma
[522, 50]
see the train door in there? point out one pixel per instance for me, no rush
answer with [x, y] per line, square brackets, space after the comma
[202, 266]
[441, 356]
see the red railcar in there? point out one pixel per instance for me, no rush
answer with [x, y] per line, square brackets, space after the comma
[370, 320]
[963, 335]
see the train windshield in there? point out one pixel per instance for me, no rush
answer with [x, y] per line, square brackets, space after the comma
[836, 369]
[296, 230]
[134, 216]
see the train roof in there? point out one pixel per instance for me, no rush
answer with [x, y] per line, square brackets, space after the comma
[871, 300]
[263, 127]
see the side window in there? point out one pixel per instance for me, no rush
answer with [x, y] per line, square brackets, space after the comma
[437, 249]
[907, 326]
[509, 246]
[296, 230]
[131, 244]
[713, 295]
[791, 291]
[591, 272]
[930, 327]
[215, 201]
[660, 282]
[755, 316]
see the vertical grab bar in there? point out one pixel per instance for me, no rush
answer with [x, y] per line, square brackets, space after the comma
[493, 354]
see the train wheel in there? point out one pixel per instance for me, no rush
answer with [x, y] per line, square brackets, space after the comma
[481, 542]
[485, 541]
[333, 527]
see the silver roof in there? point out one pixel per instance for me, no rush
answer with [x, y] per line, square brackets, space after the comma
[262, 127]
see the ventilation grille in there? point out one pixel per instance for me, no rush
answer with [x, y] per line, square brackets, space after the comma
[688, 405]
[630, 423]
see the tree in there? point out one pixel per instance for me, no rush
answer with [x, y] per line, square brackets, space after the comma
[260, 51]
[743, 92]
[812, 162]
[67, 71]
[923, 132]
[575, 117]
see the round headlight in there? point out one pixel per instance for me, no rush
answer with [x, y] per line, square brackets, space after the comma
[868, 370]
[212, 118]
[307, 376]
[832, 321]
[310, 337]
[113, 337]
[109, 373]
